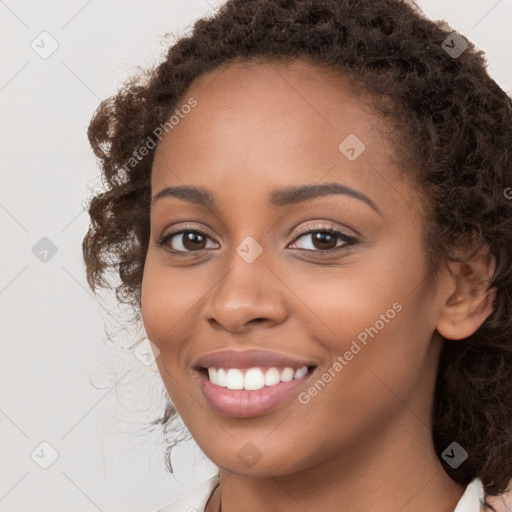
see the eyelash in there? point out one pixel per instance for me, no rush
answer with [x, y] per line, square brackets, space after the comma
[307, 230]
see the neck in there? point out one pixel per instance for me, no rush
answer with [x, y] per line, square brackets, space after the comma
[396, 471]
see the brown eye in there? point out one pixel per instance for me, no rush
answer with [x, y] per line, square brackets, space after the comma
[324, 240]
[192, 240]
[186, 240]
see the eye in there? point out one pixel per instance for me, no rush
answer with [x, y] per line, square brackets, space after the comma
[324, 239]
[187, 240]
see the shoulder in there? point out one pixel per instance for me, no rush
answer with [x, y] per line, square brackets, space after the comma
[193, 501]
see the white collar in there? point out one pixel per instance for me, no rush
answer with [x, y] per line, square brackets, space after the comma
[473, 497]
[470, 501]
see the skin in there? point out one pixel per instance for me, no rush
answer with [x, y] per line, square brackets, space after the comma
[364, 440]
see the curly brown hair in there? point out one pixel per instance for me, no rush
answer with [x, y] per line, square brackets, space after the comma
[450, 123]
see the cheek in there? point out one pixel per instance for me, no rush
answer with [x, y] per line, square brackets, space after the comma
[368, 382]
[380, 322]
[163, 301]
[362, 297]
[152, 302]
[171, 303]
[166, 300]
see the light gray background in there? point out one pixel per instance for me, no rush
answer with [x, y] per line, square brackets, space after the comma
[58, 372]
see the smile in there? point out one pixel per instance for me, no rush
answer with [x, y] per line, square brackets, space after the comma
[253, 378]
[238, 393]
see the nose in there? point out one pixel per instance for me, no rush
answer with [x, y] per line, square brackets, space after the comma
[247, 296]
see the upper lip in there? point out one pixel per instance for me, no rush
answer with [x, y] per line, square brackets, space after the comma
[249, 359]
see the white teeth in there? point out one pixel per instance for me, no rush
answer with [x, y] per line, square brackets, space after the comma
[221, 378]
[254, 378]
[272, 377]
[234, 379]
[300, 372]
[287, 374]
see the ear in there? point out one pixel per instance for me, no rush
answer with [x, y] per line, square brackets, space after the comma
[466, 299]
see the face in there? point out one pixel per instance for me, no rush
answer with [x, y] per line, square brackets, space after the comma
[336, 283]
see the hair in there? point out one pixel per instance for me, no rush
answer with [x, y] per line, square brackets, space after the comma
[451, 127]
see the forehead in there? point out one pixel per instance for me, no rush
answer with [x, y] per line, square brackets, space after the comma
[258, 124]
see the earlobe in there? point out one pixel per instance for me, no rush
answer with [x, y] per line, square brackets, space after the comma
[467, 301]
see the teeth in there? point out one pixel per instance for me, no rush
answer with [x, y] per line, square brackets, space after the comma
[287, 375]
[272, 377]
[234, 379]
[221, 378]
[300, 372]
[254, 378]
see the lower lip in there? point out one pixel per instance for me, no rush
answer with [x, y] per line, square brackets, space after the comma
[242, 403]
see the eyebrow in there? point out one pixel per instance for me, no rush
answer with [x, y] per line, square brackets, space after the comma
[277, 197]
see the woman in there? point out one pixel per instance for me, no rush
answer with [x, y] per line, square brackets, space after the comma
[306, 204]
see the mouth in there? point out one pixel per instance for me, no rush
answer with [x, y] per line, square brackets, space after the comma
[249, 392]
[252, 379]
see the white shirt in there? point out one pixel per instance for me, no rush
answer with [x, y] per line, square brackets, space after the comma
[195, 501]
